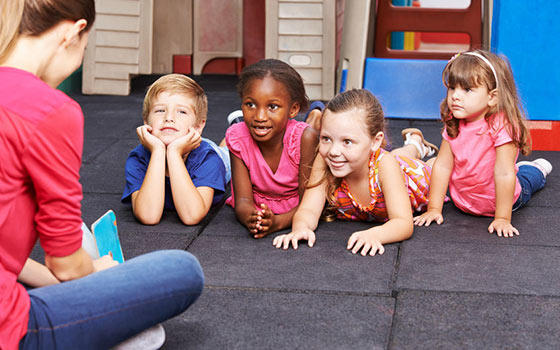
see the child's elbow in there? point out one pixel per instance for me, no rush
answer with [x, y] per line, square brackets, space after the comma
[408, 229]
[191, 221]
[149, 220]
[192, 218]
[409, 232]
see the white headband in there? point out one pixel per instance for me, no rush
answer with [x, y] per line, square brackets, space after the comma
[483, 59]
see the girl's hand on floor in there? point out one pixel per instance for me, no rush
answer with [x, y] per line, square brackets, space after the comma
[503, 227]
[265, 219]
[367, 241]
[428, 217]
[283, 241]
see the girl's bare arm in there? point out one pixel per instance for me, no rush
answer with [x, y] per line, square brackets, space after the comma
[441, 172]
[399, 226]
[309, 211]
[243, 194]
[504, 182]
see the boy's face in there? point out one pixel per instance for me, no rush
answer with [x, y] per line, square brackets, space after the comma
[172, 115]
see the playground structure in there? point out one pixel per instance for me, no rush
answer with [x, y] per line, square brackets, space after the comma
[133, 37]
[395, 48]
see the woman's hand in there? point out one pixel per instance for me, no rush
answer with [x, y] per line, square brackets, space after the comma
[367, 241]
[104, 263]
[283, 241]
[431, 215]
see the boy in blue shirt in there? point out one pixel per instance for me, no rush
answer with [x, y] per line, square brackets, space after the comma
[173, 167]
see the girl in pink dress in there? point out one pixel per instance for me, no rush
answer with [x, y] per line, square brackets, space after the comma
[271, 154]
[484, 132]
[359, 179]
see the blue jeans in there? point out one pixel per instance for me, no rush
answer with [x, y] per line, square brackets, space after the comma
[531, 180]
[223, 152]
[105, 308]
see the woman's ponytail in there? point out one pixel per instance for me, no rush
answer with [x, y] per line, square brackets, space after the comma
[11, 12]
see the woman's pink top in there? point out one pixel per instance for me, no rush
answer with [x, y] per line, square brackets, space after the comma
[474, 151]
[279, 190]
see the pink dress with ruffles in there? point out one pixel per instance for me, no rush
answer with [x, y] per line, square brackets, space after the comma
[279, 190]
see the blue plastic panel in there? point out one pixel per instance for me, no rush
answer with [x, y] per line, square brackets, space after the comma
[406, 88]
[528, 33]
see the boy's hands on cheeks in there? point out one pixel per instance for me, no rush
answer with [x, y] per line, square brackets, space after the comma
[283, 241]
[148, 140]
[428, 217]
[502, 227]
[366, 241]
[185, 144]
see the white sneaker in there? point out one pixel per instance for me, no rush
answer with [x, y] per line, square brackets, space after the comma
[542, 164]
[235, 117]
[149, 339]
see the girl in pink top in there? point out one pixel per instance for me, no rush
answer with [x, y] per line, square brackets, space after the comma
[484, 132]
[271, 154]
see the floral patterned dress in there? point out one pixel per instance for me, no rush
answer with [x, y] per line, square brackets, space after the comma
[416, 175]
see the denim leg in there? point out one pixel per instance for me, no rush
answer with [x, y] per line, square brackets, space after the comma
[531, 180]
[105, 308]
[223, 152]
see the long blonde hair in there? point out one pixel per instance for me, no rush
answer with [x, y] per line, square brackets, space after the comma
[468, 71]
[11, 12]
[34, 17]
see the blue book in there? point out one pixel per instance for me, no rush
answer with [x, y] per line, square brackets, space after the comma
[107, 236]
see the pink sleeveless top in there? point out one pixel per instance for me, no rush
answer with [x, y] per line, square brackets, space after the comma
[416, 175]
[279, 190]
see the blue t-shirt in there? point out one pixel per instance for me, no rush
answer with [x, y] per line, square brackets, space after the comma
[204, 165]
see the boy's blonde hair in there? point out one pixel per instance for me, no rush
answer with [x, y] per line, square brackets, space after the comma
[177, 84]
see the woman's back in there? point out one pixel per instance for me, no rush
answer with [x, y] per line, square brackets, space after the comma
[41, 141]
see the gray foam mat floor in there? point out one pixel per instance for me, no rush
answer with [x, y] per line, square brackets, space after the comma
[450, 286]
